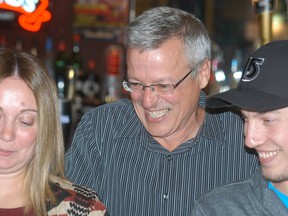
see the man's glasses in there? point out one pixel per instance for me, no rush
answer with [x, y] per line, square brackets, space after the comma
[156, 88]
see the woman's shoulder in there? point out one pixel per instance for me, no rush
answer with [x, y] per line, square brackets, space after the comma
[76, 199]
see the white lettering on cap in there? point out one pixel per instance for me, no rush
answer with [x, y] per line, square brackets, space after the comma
[252, 69]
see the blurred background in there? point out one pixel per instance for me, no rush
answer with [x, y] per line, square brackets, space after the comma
[80, 42]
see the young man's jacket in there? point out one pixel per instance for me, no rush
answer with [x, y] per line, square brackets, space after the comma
[247, 197]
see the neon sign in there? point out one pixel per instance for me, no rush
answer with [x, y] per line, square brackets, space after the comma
[32, 12]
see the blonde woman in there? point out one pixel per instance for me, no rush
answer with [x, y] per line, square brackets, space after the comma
[32, 179]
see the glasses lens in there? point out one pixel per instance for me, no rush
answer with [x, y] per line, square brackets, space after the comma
[157, 88]
[163, 88]
[136, 87]
[126, 86]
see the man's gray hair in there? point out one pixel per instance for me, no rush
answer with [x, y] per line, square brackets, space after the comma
[160, 24]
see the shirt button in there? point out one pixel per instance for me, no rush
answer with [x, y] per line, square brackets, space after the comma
[169, 158]
[166, 196]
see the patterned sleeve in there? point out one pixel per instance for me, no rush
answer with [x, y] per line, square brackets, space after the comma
[75, 200]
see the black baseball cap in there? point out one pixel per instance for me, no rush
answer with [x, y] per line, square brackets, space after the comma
[264, 83]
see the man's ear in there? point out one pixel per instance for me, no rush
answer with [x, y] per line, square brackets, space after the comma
[204, 73]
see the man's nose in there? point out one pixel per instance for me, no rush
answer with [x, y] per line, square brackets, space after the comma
[253, 135]
[149, 96]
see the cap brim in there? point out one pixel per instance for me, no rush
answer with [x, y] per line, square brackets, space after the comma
[246, 99]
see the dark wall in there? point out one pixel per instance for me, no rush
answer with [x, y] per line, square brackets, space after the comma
[58, 28]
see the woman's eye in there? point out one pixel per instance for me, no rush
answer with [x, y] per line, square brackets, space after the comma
[27, 121]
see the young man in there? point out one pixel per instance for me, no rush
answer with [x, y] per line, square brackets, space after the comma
[156, 153]
[262, 97]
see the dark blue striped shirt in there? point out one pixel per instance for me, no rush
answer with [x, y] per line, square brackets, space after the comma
[135, 176]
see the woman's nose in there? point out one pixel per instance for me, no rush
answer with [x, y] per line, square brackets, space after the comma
[7, 131]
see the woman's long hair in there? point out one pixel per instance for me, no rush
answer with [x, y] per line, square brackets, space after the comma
[48, 162]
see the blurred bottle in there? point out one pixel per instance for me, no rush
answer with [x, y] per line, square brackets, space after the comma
[279, 20]
[3, 42]
[66, 118]
[76, 59]
[88, 87]
[61, 77]
[65, 81]
[49, 57]
[113, 72]
[70, 82]
[34, 48]
[236, 67]
[264, 8]
[218, 80]
[92, 85]
[19, 44]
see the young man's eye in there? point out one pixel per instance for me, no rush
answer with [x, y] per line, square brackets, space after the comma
[268, 120]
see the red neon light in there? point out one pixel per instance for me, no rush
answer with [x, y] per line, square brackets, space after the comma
[31, 21]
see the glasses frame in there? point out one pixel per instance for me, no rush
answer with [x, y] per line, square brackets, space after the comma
[175, 85]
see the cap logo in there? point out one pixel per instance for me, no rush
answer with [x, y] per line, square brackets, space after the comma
[252, 69]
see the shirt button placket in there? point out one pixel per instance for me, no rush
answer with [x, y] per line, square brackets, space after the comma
[166, 194]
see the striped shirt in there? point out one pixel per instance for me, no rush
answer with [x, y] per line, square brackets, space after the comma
[135, 176]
